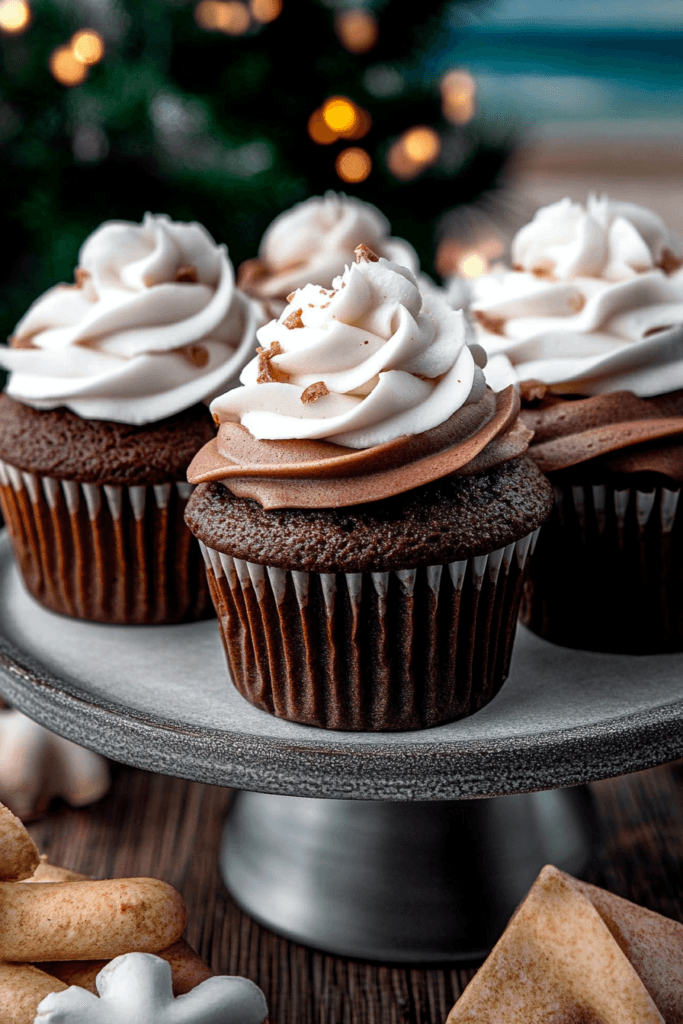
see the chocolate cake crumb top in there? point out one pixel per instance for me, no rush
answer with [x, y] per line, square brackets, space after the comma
[58, 443]
[442, 522]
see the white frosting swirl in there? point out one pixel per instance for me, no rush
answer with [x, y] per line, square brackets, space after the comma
[604, 239]
[393, 361]
[153, 325]
[315, 240]
[591, 307]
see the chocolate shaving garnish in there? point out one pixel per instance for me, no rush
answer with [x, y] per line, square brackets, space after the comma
[670, 262]
[532, 390]
[291, 297]
[314, 391]
[577, 302]
[493, 324]
[265, 371]
[80, 277]
[196, 354]
[543, 272]
[186, 275]
[294, 320]
[364, 254]
[216, 419]
[324, 305]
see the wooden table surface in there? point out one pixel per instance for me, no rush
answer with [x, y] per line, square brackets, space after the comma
[169, 828]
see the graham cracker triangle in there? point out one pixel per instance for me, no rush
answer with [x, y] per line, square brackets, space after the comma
[575, 954]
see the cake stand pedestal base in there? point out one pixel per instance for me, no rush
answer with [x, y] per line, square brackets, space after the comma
[404, 882]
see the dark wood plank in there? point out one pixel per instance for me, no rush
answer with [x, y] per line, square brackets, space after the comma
[171, 829]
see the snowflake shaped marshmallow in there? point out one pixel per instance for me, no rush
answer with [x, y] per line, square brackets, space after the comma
[36, 765]
[136, 989]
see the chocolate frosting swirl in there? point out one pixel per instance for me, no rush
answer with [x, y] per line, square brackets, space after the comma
[321, 474]
[626, 433]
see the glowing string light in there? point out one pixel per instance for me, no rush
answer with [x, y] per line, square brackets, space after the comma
[229, 16]
[400, 164]
[15, 17]
[265, 10]
[361, 127]
[473, 265]
[338, 118]
[357, 30]
[412, 152]
[458, 92]
[471, 258]
[87, 46]
[422, 145]
[66, 68]
[339, 114]
[318, 130]
[353, 165]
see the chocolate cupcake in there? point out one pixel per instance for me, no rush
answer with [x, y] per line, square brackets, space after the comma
[313, 242]
[103, 410]
[365, 511]
[591, 324]
[609, 571]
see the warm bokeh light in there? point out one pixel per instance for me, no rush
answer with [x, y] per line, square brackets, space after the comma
[338, 118]
[265, 10]
[357, 30]
[229, 16]
[400, 164]
[207, 14]
[458, 91]
[87, 46]
[353, 164]
[473, 265]
[339, 114]
[361, 127]
[318, 130]
[15, 16]
[470, 258]
[66, 67]
[422, 145]
[415, 150]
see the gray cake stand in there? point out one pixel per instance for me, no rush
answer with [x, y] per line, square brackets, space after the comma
[411, 847]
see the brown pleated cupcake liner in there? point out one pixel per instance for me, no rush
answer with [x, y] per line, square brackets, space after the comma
[608, 571]
[370, 651]
[105, 553]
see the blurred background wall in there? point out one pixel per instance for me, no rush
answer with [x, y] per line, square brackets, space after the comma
[456, 119]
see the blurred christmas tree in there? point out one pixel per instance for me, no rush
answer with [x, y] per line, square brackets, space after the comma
[227, 113]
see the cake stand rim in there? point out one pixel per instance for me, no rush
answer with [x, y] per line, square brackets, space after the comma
[62, 706]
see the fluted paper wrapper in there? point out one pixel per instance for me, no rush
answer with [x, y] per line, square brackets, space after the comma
[370, 651]
[608, 572]
[105, 553]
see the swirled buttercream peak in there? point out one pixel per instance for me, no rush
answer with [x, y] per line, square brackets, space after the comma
[604, 239]
[153, 325]
[593, 304]
[362, 363]
[312, 242]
